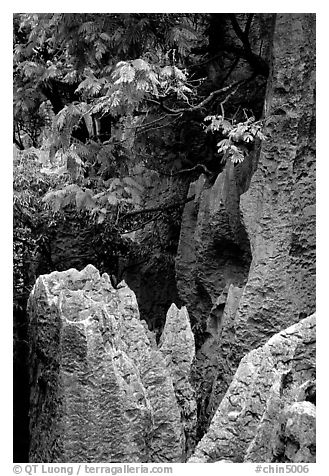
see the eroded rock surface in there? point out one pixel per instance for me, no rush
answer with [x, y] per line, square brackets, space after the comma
[245, 269]
[178, 347]
[278, 209]
[268, 412]
[213, 253]
[101, 390]
[254, 228]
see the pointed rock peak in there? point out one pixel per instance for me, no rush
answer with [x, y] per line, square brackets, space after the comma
[108, 386]
[177, 336]
[177, 322]
[178, 348]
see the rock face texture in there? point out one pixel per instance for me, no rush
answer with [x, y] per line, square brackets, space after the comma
[178, 347]
[104, 390]
[101, 390]
[246, 260]
[278, 209]
[213, 254]
[268, 412]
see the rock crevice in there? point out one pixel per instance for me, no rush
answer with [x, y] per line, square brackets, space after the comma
[234, 368]
[248, 241]
[266, 415]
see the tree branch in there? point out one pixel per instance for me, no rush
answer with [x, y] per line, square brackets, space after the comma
[19, 144]
[255, 61]
[197, 166]
[159, 127]
[164, 107]
[147, 124]
[239, 32]
[18, 141]
[159, 208]
[226, 99]
[181, 171]
[203, 103]
[142, 224]
[248, 24]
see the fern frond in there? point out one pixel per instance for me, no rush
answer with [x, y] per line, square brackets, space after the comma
[84, 200]
[100, 49]
[106, 37]
[61, 117]
[141, 65]
[90, 85]
[70, 77]
[126, 74]
[58, 199]
[87, 28]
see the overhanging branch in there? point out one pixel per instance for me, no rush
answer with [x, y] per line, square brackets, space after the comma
[160, 208]
[139, 227]
[248, 24]
[203, 103]
[258, 64]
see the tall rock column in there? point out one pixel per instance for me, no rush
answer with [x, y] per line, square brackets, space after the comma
[245, 265]
[101, 390]
[278, 209]
[178, 347]
[213, 254]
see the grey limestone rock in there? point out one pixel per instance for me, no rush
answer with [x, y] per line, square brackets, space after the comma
[178, 347]
[254, 228]
[101, 391]
[266, 414]
[213, 253]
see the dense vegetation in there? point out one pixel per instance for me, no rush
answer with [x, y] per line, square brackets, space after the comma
[100, 97]
[99, 101]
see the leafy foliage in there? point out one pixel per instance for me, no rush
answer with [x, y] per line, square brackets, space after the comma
[98, 98]
[136, 80]
[44, 195]
[100, 101]
[237, 136]
[30, 184]
[111, 202]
